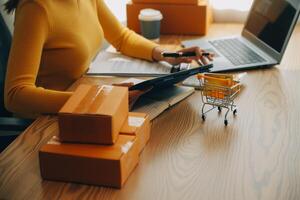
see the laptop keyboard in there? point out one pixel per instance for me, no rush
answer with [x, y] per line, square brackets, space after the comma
[236, 52]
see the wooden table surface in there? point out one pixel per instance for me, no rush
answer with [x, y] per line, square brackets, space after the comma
[256, 157]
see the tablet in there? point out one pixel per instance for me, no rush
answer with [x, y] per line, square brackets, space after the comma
[170, 79]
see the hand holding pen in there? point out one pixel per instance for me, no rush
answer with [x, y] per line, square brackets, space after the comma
[182, 54]
[187, 56]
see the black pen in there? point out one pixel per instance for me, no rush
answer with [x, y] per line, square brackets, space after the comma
[182, 54]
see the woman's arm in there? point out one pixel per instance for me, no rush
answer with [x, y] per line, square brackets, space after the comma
[21, 93]
[123, 39]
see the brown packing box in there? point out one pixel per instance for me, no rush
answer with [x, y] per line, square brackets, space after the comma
[192, 2]
[177, 19]
[103, 165]
[137, 124]
[93, 114]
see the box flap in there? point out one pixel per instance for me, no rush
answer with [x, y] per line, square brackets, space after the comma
[80, 92]
[95, 100]
[115, 97]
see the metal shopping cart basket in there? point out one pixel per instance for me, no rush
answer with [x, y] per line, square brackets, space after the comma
[219, 93]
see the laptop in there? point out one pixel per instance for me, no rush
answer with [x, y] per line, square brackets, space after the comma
[262, 42]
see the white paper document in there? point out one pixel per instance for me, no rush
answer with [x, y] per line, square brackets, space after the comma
[116, 64]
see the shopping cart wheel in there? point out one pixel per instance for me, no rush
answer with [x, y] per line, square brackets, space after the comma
[219, 109]
[226, 122]
[203, 117]
[235, 111]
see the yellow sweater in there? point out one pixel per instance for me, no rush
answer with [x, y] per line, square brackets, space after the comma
[53, 45]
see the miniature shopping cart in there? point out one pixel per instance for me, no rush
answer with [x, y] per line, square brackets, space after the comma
[218, 91]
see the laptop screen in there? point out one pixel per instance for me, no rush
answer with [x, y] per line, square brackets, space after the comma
[271, 21]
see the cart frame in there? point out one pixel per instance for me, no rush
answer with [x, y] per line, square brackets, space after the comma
[218, 96]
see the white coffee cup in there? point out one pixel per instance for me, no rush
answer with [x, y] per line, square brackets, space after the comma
[150, 23]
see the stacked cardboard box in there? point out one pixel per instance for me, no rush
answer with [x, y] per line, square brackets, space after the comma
[99, 140]
[182, 2]
[190, 17]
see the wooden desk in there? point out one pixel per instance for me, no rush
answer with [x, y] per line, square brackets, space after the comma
[256, 157]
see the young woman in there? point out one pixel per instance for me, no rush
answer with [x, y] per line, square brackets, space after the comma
[53, 45]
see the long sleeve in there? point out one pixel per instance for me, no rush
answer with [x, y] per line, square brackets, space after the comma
[21, 93]
[123, 39]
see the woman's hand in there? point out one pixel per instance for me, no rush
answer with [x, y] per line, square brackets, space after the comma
[199, 58]
[134, 95]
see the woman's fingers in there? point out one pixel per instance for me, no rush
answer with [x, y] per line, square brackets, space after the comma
[134, 95]
[185, 60]
[205, 60]
[190, 49]
[211, 56]
[176, 61]
[199, 54]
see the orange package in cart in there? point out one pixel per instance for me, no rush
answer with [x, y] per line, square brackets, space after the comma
[212, 81]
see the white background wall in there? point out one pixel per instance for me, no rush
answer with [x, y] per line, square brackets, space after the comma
[118, 7]
[7, 18]
[224, 10]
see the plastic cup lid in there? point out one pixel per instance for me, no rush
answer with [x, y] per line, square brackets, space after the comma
[150, 15]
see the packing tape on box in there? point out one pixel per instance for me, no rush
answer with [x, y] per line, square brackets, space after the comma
[126, 147]
[92, 100]
[135, 121]
[54, 141]
[107, 88]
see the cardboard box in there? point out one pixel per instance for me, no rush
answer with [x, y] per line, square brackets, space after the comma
[103, 165]
[177, 19]
[137, 124]
[186, 2]
[94, 114]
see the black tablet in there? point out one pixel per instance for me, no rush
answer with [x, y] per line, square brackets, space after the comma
[170, 79]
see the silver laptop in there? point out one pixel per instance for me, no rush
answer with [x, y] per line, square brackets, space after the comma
[263, 40]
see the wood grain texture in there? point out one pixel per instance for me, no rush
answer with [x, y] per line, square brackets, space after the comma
[255, 157]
